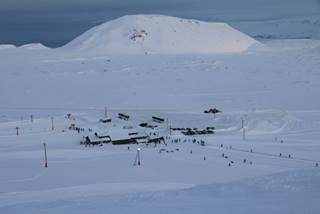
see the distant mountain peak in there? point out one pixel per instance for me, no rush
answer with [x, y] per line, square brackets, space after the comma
[136, 34]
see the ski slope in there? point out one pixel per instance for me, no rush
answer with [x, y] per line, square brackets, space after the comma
[263, 156]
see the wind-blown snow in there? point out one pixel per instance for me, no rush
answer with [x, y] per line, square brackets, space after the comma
[161, 34]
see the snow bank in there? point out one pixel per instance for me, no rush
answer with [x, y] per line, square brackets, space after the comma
[34, 46]
[161, 34]
[6, 46]
[31, 46]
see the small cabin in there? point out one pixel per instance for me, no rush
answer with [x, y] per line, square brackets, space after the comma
[157, 119]
[121, 137]
[105, 120]
[146, 125]
[102, 136]
[123, 116]
[124, 141]
[88, 140]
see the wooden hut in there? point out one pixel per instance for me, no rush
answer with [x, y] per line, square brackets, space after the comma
[105, 120]
[123, 116]
[157, 119]
[124, 141]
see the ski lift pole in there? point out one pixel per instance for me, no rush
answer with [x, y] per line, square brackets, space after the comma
[243, 130]
[105, 112]
[244, 134]
[138, 156]
[137, 160]
[169, 126]
[45, 155]
[52, 124]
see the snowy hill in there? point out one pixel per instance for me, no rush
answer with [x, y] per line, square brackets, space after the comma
[267, 19]
[34, 46]
[6, 47]
[161, 34]
[31, 46]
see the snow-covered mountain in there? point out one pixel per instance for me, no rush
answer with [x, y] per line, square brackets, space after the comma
[161, 34]
[267, 19]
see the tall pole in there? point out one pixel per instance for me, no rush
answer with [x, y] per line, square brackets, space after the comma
[168, 126]
[137, 160]
[243, 130]
[45, 155]
[138, 156]
[105, 112]
[17, 128]
[31, 118]
[244, 134]
[52, 125]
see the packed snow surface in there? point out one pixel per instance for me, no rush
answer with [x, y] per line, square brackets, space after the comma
[263, 156]
[161, 34]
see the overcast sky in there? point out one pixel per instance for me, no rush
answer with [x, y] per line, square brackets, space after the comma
[85, 4]
[55, 22]
[116, 4]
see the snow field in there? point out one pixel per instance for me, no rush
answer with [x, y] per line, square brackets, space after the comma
[273, 87]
